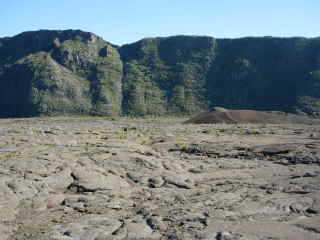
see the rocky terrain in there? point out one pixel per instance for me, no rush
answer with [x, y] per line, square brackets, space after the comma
[98, 179]
[50, 72]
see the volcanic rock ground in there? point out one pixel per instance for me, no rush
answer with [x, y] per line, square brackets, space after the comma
[94, 179]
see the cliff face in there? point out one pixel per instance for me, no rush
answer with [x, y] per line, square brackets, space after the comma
[190, 74]
[264, 73]
[167, 75]
[55, 72]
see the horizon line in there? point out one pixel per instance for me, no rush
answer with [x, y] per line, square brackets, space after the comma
[163, 36]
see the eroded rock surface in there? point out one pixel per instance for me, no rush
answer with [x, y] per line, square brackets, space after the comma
[94, 179]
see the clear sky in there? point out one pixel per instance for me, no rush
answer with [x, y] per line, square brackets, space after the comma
[125, 21]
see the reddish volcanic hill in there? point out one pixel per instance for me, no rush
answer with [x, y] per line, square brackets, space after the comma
[222, 115]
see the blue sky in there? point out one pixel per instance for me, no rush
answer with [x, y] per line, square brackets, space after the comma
[125, 21]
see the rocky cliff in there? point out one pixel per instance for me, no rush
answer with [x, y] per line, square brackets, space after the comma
[74, 72]
[54, 72]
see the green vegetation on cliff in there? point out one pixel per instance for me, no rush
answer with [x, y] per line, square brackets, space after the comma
[75, 72]
[190, 74]
[56, 72]
[166, 75]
